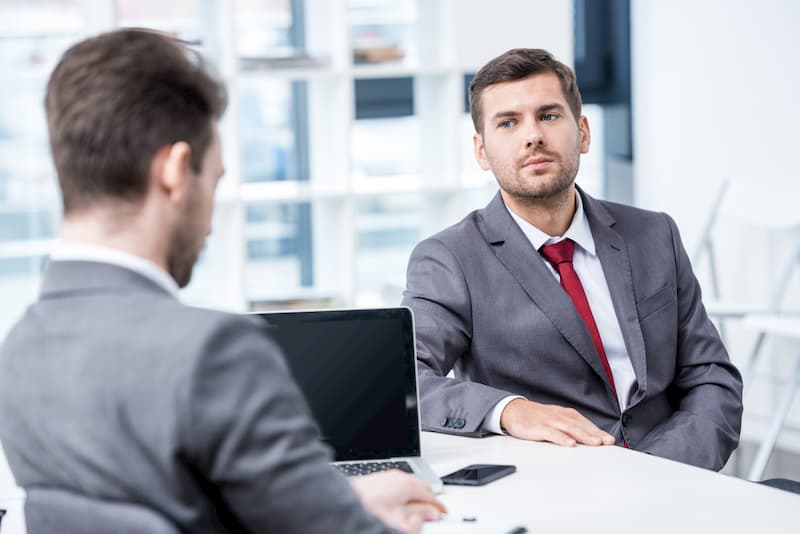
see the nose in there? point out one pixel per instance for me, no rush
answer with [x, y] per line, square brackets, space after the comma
[535, 136]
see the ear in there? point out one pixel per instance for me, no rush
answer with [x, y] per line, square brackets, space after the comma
[586, 136]
[172, 170]
[480, 151]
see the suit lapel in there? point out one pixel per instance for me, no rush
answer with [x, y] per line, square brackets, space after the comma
[613, 253]
[516, 253]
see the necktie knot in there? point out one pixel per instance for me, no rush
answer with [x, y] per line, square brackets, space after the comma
[557, 253]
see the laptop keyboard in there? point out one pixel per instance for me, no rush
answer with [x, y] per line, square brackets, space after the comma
[365, 468]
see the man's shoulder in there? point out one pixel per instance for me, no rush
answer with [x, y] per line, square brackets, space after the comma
[627, 216]
[626, 211]
[206, 326]
[464, 233]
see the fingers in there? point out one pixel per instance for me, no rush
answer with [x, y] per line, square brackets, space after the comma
[403, 520]
[413, 524]
[399, 499]
[584, 431]
[554, 424]
[395, 488]
[419, 492]
[426, 511]
[552, 435]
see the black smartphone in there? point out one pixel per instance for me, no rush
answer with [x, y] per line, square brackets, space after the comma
[478, 474]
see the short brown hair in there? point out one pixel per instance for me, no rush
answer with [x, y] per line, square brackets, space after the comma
[516, 64]
[114, 100]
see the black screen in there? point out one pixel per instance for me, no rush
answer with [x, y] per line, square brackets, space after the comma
[356, 369]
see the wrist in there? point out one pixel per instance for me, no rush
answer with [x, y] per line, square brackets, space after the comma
[508, 416]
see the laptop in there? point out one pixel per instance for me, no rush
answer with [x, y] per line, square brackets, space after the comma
[357, 370]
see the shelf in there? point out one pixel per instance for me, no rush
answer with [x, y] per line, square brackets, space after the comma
[289, 191]
[328, 146]
[288, 73]
[398, 70]
[24, 249]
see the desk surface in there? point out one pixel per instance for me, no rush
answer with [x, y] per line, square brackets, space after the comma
[581, 489]
[604, 489]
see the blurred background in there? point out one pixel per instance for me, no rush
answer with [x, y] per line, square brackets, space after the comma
[348, 140]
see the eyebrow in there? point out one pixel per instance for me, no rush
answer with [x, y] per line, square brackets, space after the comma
[554, 106]
[504, 114]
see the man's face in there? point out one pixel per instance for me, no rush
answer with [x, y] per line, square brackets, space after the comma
[531, 141]
[194, 226]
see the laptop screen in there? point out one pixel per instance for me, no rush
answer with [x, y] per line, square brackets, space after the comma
[357, 371]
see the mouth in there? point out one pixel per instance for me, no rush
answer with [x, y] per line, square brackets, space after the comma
[539, 162]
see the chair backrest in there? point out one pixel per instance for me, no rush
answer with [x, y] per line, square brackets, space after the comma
[770, 208]
[52, 511]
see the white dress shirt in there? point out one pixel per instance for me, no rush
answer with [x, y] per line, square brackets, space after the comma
[148, 269]
[590, 271]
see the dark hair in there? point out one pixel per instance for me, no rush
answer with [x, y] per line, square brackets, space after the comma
[516, 64]
[114, 100]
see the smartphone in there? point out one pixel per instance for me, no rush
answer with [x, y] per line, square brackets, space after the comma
[478, 474]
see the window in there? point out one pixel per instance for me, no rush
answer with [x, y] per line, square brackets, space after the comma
[32, 37]
[344, 143]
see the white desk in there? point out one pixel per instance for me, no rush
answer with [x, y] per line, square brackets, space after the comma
[583, 489]
[12, 499]
[604, 489]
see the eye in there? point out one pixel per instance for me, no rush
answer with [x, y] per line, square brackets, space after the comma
[508, 123]
[549, 117]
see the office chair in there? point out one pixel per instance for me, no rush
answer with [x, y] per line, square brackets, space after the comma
[772, 211]
[784, 484]
[53, 511]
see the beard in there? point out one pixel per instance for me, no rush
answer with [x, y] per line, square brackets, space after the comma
[546, 185]
[185, 246]
[544, 189]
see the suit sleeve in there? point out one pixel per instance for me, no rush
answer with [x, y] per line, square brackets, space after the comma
[438, 294]
[252, 439]
[707, 388]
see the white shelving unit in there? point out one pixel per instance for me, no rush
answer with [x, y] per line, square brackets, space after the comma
[343, 272]
[356, 230]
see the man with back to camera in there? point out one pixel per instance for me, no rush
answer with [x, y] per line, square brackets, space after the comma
[565, 318]
[112, 388]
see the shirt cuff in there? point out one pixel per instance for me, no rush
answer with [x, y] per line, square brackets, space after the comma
[491, 422]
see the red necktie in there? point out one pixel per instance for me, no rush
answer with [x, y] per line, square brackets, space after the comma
[560, 257]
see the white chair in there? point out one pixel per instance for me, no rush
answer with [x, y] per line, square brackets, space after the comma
[769, 209]
[779, 326]
[772, 209]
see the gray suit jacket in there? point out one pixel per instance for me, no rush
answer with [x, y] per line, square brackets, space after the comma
[111, 388]
[486, 306]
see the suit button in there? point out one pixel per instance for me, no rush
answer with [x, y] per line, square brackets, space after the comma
[626, 417]
[459, 423]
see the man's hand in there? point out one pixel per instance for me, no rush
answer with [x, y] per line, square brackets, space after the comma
[529, 420]
[400, 500]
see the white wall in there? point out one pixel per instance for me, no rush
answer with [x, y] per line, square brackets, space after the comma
[487, 29]
[715, 94]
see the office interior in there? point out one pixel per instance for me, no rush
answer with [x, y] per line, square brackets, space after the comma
[348, 139]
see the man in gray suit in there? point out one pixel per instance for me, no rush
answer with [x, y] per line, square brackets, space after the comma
[565, 318]
[110, 387]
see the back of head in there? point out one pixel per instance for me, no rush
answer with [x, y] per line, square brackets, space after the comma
[113, 101]
[517, 64]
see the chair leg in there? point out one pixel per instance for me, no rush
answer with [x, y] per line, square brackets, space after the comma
[749, 370]
[771, 437]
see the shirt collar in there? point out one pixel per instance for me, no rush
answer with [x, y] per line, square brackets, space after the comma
[148, 269]
[579, 230]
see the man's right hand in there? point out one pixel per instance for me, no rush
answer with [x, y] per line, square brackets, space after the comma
[400, 500]
[532, 421]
